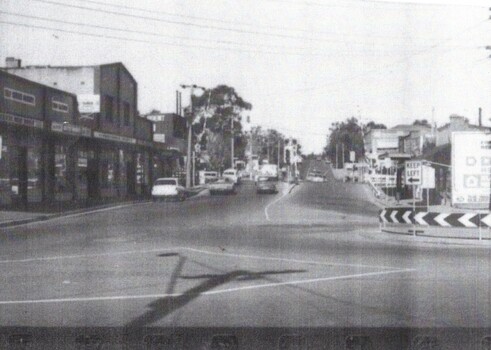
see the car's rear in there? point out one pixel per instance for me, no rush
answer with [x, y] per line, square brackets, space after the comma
[224, 185]
[165, 188]
[232, 174]
[266, 184]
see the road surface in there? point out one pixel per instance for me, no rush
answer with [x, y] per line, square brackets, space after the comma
[312, 259]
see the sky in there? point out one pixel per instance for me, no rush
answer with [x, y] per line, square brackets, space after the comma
[303, 65]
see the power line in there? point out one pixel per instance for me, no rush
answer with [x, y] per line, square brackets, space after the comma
[190, 24]
[364, 51]
[134, 8]
[384, 5]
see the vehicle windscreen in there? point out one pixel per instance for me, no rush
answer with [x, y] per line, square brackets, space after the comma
[165, 182]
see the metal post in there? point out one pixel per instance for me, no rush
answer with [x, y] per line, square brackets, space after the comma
[194, 169]
[414, 209]
[232, 141]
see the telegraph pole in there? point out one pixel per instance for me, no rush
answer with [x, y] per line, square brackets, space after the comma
[190, 133]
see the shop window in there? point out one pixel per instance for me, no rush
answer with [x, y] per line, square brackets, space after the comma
[34, 186]
[59, 106]
[63, 188]
[19, 96]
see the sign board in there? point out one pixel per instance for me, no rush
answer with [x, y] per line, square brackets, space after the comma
[428, 179]
[89, 103]
[471, 168]
[352, 156]
[413, 172]
[159, 138]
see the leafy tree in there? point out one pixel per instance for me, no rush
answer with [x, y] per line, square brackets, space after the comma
[372, 125]
[215, 109]
[422, 122]
[348, 133]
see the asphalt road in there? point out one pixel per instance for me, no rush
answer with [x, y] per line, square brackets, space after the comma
[310, 259]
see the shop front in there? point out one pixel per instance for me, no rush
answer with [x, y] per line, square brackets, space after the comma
[21, 164]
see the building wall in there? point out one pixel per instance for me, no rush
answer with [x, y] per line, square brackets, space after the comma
[33, 108]
[77, 80]
[457, 123]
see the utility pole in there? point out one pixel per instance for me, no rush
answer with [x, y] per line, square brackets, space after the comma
[336, 156]
[342, 148]
[190, 133]
[279, 140]
[232, 141]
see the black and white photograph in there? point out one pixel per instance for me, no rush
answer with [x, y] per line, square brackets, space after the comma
[245, 174]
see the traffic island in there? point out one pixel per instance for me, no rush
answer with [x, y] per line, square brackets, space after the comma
[444, 224]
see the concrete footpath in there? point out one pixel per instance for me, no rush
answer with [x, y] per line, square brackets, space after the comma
[10, 218]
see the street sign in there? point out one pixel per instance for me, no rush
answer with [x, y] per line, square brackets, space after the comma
[428, 180]
[471, 169]
[352, 156]
[413, 172]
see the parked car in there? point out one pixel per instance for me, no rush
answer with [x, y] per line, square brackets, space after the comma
[266, 184]
[168, 187]
[223, 185]
[232, 174]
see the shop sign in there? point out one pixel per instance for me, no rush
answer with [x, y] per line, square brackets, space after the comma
[14, 119]
[89, 103]
[111, 137]
[471, 168]
[159, 138]
[70, 129]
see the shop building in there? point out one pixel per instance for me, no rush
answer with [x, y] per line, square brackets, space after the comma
[41, 140]
[169, 136]
[116, 160]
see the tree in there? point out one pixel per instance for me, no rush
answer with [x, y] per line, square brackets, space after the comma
[347, 134]
[215, 109]
[372, 125]
[422, 122]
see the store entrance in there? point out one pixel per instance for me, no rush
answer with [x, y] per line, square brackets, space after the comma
[92, 178]
[131, 178]
[22, 176]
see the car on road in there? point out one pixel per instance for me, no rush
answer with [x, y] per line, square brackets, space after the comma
[233, 175]
[223, 185]
[168, 188]
[266, 184]
[315, 176]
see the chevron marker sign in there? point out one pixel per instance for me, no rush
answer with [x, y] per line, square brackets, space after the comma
[424, 218]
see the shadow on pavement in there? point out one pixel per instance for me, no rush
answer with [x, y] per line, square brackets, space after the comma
[165, 306]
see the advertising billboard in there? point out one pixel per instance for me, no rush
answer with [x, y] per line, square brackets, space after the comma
[471, 169]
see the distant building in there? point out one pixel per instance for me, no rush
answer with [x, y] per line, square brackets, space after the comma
[398, 143]
[457, 123]
[169, 130]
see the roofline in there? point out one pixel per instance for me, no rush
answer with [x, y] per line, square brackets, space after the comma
[38, 84]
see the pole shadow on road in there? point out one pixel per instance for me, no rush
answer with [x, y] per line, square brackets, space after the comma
[166, 305]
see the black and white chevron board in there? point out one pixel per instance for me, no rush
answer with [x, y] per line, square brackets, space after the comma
[425, 218]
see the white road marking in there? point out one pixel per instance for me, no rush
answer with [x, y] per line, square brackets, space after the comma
[273, 202]
[85, 256]
[324, 263]
[211, 292]
[157, 250]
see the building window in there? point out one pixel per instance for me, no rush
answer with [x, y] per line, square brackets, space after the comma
[19, 96]
[59, 106]
[108, 108]
[126, 114]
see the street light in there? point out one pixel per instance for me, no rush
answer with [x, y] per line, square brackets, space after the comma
[190, 120]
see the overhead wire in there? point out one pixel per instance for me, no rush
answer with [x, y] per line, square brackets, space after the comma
[225, 42]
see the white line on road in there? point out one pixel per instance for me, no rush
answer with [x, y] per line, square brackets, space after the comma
[85, 256]
[273, 202]
[211, 292]
[157, 250]
[324, 263]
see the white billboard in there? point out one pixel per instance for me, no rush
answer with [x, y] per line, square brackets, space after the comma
[471, 169]
[89, 103]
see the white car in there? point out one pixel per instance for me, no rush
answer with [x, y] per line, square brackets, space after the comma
[168, 187]
[233, 175]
